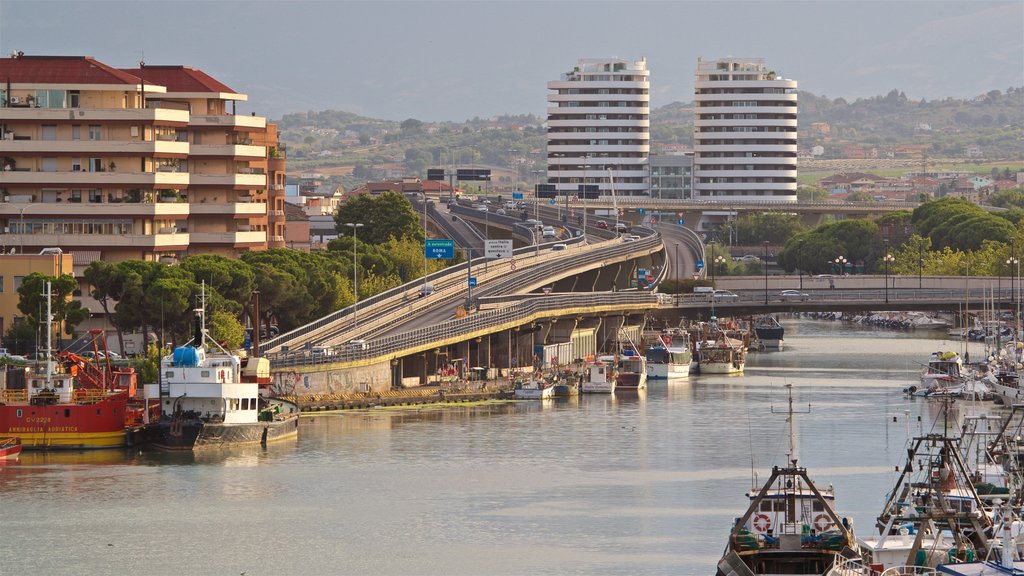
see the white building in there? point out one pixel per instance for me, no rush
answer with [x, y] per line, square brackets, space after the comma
[745, 143]
[599, 127]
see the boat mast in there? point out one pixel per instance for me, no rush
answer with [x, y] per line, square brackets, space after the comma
[49, 338]
[791, 456]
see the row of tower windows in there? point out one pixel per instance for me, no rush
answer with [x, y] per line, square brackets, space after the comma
[603, 91]
[604, 104]
[743, 91]
[746, 180]
[735, 129]
[742, 142]
[753, 167]
[597, 129]
[602, 142]
[598, 117]
[745, 155]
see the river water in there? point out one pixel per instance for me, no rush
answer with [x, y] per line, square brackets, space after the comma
[630, 484]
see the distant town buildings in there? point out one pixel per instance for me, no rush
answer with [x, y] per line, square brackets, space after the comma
[745, 132]
[599, 127]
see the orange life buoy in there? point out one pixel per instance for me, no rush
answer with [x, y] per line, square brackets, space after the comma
[822, 522]
[762, 523]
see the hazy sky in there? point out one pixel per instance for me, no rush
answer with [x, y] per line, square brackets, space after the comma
[434, 60]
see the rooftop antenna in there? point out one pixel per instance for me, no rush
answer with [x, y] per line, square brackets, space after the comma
[791, 456]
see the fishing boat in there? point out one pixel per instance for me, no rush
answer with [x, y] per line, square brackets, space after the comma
[204, 402]
[10, 448]
[933, 515]
[631, 373]
[72, 404]
[600, 377]
[769, 331]
[943, 369]
[536, 388]
[668, 359]
[790, 526]
[721, 354]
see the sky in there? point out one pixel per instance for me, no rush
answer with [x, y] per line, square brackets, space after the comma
[434, 60]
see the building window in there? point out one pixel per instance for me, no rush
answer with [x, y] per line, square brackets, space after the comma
[74, 99]
[1, 288]
[94, 132]
[76, 164]
[17, 282]
[76, 132]
[49, 132]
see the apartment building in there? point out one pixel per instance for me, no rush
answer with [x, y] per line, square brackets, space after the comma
[150, 163]
[13, 269]
[745, 132]
[599, 127]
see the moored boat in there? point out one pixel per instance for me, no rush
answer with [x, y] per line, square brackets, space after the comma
[10, 448]
[536, 388]
[790, 526]
[631, 373]
[722, 355]
[204, 403]
[668, 360]
[600, 377]
[769, 332]
[73, 404]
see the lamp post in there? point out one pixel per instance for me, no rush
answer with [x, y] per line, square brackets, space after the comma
[355, 278]
[718, 260]
[920, 264]
[800, 262]
[1015, 291]
[678, 268]
[766, 272]
[841, 264]
[887, 259]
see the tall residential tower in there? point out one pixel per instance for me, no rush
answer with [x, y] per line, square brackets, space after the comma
[744, 132]
[599, 127]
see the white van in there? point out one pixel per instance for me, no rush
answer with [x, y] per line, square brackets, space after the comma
[357, 345]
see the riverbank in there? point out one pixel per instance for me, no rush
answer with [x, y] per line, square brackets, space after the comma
[464, 392]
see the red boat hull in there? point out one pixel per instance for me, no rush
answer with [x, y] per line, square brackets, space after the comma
[9, 448]
[98, 424]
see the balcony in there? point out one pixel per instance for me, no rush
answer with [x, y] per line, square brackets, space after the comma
[243, 181]
[92, 147]
[91, 209]
[229, 238]
[229, 151]
[34, 242]
[229, 208]
[230, 121]
[162, 116]
[108, 179]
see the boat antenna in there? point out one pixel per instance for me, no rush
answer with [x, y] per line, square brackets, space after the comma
[750, 442]
[789, 418]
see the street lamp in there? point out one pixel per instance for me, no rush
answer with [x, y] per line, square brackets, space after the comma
[841, 264]
[1014, 293]
[887, 259]
[355, 278]
[920, 264]
[766, 272]
[800, 261]
[677, 266]
[718, 260]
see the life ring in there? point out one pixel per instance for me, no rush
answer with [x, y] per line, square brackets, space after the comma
[762, 523]
[822, 522]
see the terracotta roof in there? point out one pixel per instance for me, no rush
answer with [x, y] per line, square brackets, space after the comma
[293, 213]
[61, 70]
[180, 79]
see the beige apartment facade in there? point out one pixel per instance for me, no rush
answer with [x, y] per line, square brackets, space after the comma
[151, 163]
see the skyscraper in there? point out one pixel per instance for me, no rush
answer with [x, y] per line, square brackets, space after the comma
[744, 132]
[599, 127]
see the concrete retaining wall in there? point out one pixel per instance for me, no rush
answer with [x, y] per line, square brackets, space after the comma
[375, 377]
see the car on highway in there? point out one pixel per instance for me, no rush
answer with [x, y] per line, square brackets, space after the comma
[500, 212]
[621, 227]
[426, 290]
[793, 295]
[559, 247]
[548, 232]
[602, 224]
[724, 295]
[480, 207]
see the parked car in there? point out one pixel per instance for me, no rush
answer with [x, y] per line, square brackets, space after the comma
[724, 295]
[793, 295]
[749, 258]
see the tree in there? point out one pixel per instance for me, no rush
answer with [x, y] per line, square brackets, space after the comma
[33, 302]
[106, 286]
[411, 127]
[811, 194]
[231, 280]
[388, 215]
[226, 330]
[775, 227]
